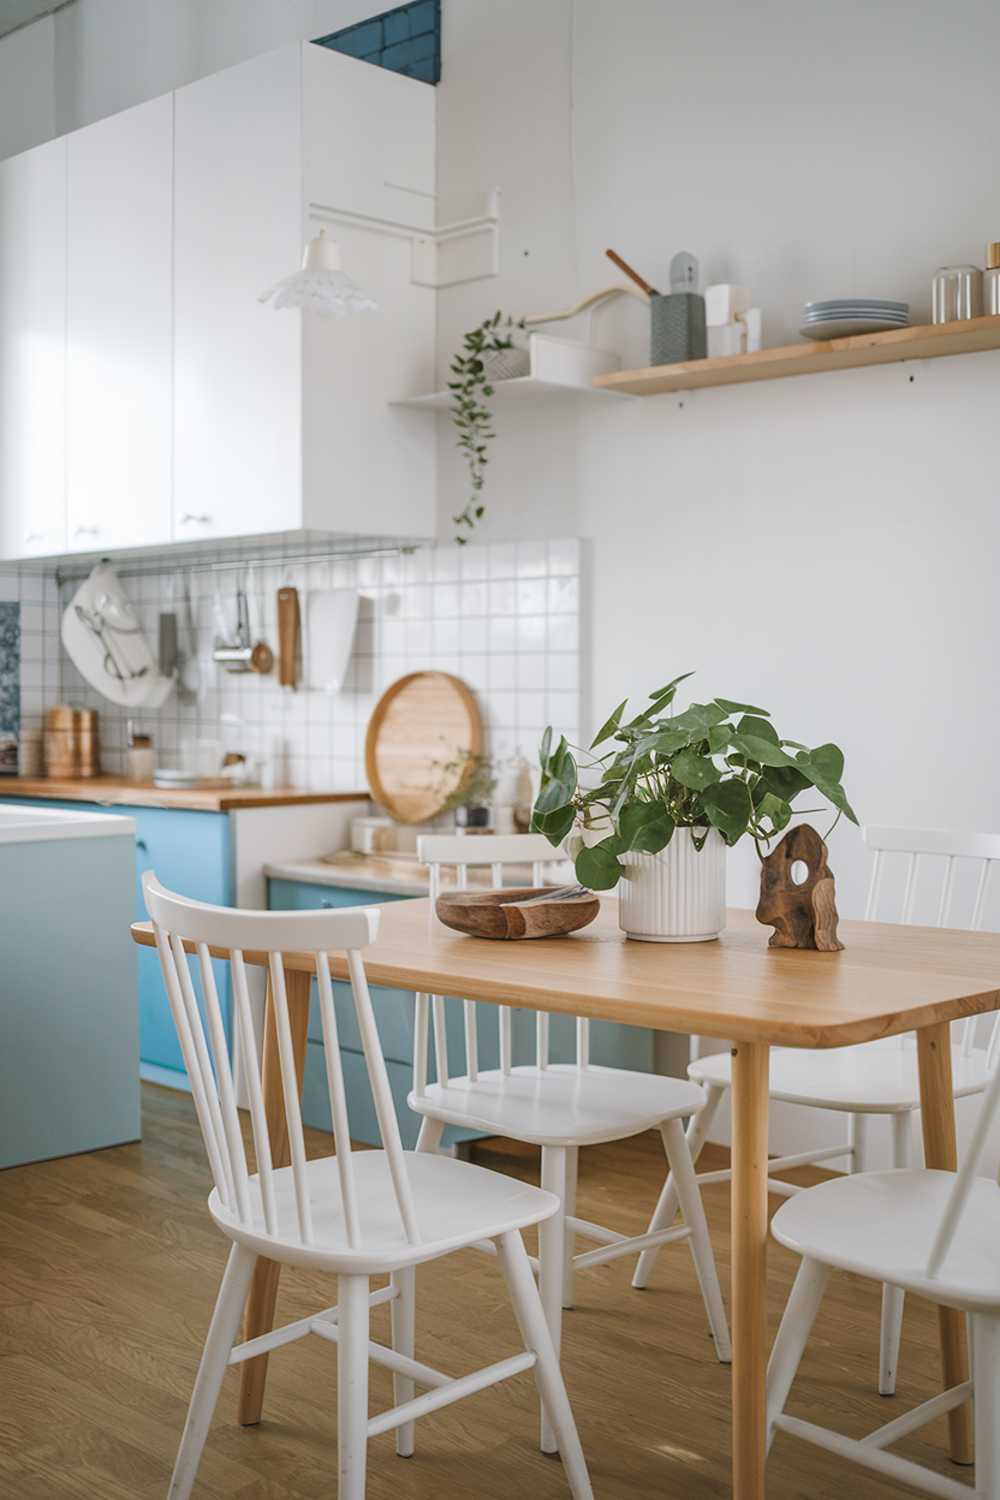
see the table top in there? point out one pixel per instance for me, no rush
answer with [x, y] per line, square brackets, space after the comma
[888, 979]
[117, 791]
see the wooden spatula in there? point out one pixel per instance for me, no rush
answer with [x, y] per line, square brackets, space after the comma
[288, 635]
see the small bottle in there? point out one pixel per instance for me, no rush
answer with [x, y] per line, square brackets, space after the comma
[991, 280]
[141, 757]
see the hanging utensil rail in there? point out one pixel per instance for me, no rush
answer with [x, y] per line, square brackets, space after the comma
[169, 564]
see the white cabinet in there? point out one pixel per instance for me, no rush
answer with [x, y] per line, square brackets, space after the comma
[237, 454]
[282, 419]
[33, 352]
[119, 329]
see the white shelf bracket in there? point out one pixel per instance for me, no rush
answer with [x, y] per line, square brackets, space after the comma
[467, 249]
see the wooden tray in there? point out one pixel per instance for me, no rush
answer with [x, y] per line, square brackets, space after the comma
[422, 722]
[496, 914]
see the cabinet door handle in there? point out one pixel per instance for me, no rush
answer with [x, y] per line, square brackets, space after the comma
[87, 531]
[328, 905]
[188, 519]
[34, 536]
[141, 844]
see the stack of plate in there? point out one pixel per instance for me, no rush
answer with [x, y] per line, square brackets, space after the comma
[846, 315]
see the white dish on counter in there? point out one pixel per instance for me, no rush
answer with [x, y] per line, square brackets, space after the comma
[842, 328]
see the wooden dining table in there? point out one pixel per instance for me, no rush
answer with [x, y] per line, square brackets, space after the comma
[887, 980]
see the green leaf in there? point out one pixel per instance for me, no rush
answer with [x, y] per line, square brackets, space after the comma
[776, 810]
[760, 728]
[645, 826]
[609, 726]
[663, 741]
[728, 808]
[817, 773]
[555, 825]
[784, 781]
[741, 708]
[718, 738]
[699, 718]
[597, 867]
[694, 771]
[762, 752]
[671, 687]
[545, 747]
[830, 760]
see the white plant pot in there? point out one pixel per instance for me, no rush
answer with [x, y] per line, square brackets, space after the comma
[676, 896]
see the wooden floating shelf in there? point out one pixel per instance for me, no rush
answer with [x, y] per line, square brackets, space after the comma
[931, 341]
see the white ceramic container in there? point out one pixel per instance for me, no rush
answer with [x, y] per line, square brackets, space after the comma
[676, 896]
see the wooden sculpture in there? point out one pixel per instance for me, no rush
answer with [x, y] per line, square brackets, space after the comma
[803, 915]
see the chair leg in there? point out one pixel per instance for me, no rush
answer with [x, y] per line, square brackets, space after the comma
[793, 1335]
[666, 1209]
[352, 1387]
[986, 1361]
[552, 1263]
[893, 1297]
[548, 1376]
[693, 1213]
[403, 1312]
[431, 1131]
[214, 1360]
[569, 1277]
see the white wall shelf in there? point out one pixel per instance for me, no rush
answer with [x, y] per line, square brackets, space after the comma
[559, 367]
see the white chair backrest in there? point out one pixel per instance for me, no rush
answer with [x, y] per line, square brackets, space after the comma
[218, 931]
[934, 852]
[466, 852]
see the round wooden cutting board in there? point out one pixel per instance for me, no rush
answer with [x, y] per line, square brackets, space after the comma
[421, 722]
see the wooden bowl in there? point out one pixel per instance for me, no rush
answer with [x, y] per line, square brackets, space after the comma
[499, 914]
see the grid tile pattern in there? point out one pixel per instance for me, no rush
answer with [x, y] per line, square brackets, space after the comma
[405, 40]
[505, 617]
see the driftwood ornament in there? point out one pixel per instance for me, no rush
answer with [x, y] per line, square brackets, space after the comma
[802, 915]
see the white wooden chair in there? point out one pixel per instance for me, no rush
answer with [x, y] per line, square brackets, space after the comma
[878, 1078]
[559, 1107]
[932, 1233]
[355, 1214]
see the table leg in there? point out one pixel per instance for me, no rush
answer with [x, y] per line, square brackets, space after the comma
[259, 1316]
[749, 1272]
[937, 1118]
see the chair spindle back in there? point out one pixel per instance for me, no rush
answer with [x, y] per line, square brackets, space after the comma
[492, 851]
[214, 931]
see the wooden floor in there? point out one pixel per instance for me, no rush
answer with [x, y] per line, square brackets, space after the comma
[109, 1265]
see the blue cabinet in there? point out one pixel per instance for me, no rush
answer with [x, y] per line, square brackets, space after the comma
[610, 1045]
[191, 852]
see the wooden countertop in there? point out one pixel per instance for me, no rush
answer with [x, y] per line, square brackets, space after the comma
[890, 978]
[115, 791]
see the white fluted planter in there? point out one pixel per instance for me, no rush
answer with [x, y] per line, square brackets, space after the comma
[676, 896]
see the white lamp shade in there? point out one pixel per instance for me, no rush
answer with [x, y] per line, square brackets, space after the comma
[320, 286]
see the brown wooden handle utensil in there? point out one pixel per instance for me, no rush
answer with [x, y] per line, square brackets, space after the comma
[288, 635]
[632, 274]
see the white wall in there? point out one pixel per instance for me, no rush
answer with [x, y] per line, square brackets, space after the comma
[27, 87]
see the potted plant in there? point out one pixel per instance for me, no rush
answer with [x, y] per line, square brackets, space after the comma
[658, 810]
[488, 354]
[472, 798]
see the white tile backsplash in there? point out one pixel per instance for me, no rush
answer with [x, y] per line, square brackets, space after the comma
[503, 616]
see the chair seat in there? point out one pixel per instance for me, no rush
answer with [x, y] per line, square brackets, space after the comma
[456, 1203]
[882, 1224]
[875, 1077]
[561, 1105]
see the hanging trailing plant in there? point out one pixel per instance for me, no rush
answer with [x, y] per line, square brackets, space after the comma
[470, 390]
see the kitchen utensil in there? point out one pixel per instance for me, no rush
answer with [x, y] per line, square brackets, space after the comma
[288, 635]
[991, 280]
[168, 643]
[529, 912]
[424, 730]
[105, 642]
[631, 273]
[331, 616]
[261, 655]
[956, 294]
[677, 329]
[71, 743]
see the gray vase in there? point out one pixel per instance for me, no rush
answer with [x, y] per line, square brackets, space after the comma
[676, 327]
